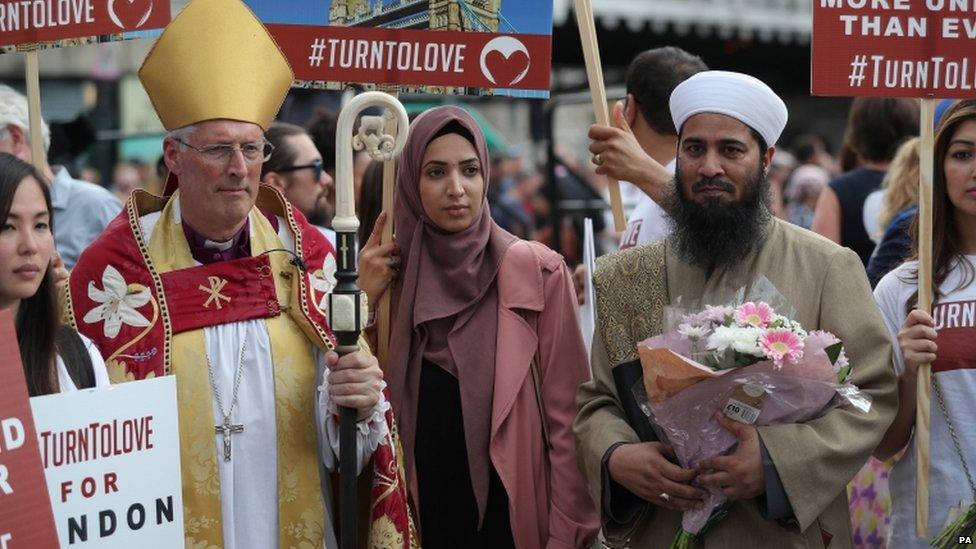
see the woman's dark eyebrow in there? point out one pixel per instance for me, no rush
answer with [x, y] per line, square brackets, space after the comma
[962, 142]
[442, 163]
[38, 215]
[42, 213]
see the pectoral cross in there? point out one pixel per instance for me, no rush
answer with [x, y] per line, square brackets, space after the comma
[227, 430]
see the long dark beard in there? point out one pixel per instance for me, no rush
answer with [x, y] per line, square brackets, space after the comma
[713, 234]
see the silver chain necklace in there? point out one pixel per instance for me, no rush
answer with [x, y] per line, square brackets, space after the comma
[955, 437]
[226, 428]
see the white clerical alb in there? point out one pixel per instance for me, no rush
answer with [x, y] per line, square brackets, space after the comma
[249, 480]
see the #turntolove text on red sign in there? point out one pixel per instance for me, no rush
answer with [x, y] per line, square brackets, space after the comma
[416, 57]
[894, 48]
[31, 21]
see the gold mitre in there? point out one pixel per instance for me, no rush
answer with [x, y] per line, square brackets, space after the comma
[216, 60]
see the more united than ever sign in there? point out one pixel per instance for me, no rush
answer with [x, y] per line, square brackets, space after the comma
[894, 48]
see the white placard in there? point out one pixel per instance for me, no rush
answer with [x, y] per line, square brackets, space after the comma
[112, 462]
[588, 310]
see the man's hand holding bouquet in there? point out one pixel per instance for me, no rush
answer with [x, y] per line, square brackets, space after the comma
[722, 372]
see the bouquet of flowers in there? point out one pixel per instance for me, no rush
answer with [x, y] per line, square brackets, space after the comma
[749, 362]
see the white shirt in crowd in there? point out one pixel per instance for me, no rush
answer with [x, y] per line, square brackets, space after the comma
[328, 233]
[647, 222]
[98, 366]
[955, 370]
[873, 205]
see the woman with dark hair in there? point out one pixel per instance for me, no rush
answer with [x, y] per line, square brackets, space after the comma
[486, 355]
[875, 129]
[55, 357]
[946, 339]
[369, 200]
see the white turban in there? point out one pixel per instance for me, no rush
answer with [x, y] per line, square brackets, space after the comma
[734, 94]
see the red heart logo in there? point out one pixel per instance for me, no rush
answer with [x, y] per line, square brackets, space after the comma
[506, 70]
[130, 14]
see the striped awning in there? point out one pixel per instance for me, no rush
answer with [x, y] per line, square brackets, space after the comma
[784, 21]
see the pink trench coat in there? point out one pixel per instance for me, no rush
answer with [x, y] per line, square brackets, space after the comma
[549, 504]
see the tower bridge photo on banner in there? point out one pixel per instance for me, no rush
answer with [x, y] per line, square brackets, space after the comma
[481, 47]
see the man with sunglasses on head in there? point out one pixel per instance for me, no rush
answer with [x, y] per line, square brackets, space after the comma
[222, 283]
[295, 168]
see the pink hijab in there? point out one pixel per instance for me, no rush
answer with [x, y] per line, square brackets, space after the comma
[445, 276]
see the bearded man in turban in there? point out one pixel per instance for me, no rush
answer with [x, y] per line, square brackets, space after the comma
[786, 483]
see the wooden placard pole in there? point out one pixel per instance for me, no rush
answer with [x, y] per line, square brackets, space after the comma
[924, 387]
[32, 76]
[594, 73]
[383, 318]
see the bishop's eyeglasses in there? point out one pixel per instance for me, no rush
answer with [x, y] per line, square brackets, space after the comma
[222, 152]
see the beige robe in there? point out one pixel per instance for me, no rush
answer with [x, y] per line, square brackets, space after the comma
[815, 460]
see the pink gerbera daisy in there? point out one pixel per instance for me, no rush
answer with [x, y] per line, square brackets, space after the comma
[754, 314]
[781, 345]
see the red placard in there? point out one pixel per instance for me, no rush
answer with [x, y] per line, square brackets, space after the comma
[24, 22]
[416, 57]
[26, 519]
[894, 48]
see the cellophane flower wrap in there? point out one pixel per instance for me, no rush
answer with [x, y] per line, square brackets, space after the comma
[747, 360]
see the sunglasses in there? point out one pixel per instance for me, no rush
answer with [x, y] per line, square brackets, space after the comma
[315, 166]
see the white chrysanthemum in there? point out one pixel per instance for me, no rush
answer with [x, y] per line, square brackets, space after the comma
[741, 340]
[746, 341]
[691, 332]
[722, 339]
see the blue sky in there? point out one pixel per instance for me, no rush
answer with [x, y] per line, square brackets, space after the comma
[527, 16]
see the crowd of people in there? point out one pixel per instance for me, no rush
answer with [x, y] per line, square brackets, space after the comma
[512, 435]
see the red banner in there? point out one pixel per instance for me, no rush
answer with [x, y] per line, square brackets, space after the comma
[894, 48]
[416, 57]
[31, 21]
[26, 519]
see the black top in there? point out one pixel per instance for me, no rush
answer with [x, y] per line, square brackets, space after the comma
[852, 189]
[448, 511]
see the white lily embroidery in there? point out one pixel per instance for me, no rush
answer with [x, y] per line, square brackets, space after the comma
[118, 302]
[324, 280]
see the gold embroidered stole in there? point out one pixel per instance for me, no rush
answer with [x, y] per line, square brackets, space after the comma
[631, 294]
[301, 512]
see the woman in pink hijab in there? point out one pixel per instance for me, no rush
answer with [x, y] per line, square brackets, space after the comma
[486, 356]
